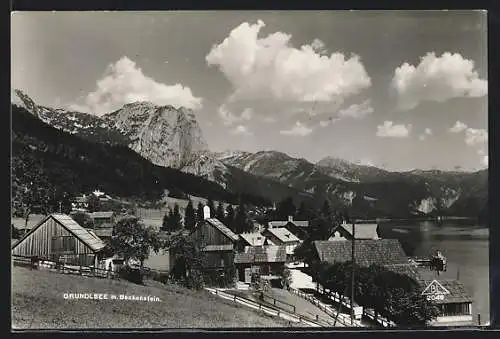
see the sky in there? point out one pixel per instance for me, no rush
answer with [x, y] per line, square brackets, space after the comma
[400, 90]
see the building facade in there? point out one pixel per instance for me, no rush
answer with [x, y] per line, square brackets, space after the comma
[59, 238]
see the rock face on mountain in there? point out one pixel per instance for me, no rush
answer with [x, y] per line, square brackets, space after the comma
[164, 135]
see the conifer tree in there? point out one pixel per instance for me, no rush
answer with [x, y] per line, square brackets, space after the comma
[176, 220]
[199, 213]
[229, 219]
[189, 216]
[219, 212]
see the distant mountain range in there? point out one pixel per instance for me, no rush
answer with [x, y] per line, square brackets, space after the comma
[171, 138]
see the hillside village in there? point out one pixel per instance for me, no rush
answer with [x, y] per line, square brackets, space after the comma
[223, 248]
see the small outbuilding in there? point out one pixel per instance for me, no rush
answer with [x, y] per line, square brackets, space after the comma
[60, 238]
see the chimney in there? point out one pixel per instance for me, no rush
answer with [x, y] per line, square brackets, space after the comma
[290, 218]
[206, 212]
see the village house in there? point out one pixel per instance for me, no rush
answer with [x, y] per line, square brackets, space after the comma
[299, 228]
[282, 237]
[103, 219]
[453, 300]
[451, 296]
[362, 231]
[217, 242]
[251, 239]
[267, 261]
[59, 238]
[366, 252]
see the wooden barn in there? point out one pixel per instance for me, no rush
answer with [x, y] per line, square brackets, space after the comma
[217, 242]
[59, 238]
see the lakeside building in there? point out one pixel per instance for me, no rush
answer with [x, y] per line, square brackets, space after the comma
[450, 295]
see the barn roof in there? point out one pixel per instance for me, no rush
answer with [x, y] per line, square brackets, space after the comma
[254, 238]
[257, 254]
[92, 241]
[283, 234]
[367, 252]
[222, 228]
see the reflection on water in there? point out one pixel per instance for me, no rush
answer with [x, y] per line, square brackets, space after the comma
[465, 246]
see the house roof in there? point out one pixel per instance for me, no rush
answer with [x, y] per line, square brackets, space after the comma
[283, 223]
[457, 291]
[257, 254]
[222, 228]
[367, 252]
[405, 269]
[363, 231]
[283, 234]
[253, 239]
[92, 241]
[107, 214]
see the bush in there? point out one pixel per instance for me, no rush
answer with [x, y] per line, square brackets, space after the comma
[131, 274]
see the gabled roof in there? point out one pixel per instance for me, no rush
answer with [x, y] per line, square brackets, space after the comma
[92, 241]
[283, 234]
[363, 231]
[253, 239]
[283, 223]
[222, 228]
[381, 252]
[257, 254]
[457, 291]
[107, 214]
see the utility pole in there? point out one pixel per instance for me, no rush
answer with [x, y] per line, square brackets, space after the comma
[352, 272]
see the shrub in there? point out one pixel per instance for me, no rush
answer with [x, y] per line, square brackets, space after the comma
[131, 274]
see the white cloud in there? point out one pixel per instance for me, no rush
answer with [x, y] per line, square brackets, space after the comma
[458, 127]
[475, 136]
[270, 68]
[357, 111]
[123, 83]
[437, 79]
[318, 45]
[298, 130]
[241, 130]
[428, 131]
[421, 137]
[230, 118]
[484, 161]
[389, 130]
[326, 123]
[480, 151]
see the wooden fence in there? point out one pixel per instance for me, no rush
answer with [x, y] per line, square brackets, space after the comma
[35, 262]
[296, 318]
[328, 309]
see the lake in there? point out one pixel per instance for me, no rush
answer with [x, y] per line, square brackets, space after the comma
[465, 245]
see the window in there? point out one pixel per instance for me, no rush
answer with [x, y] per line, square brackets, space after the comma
[455, 309]
[63, 244]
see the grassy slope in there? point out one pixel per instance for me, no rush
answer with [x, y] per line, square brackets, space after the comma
[37, 302]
